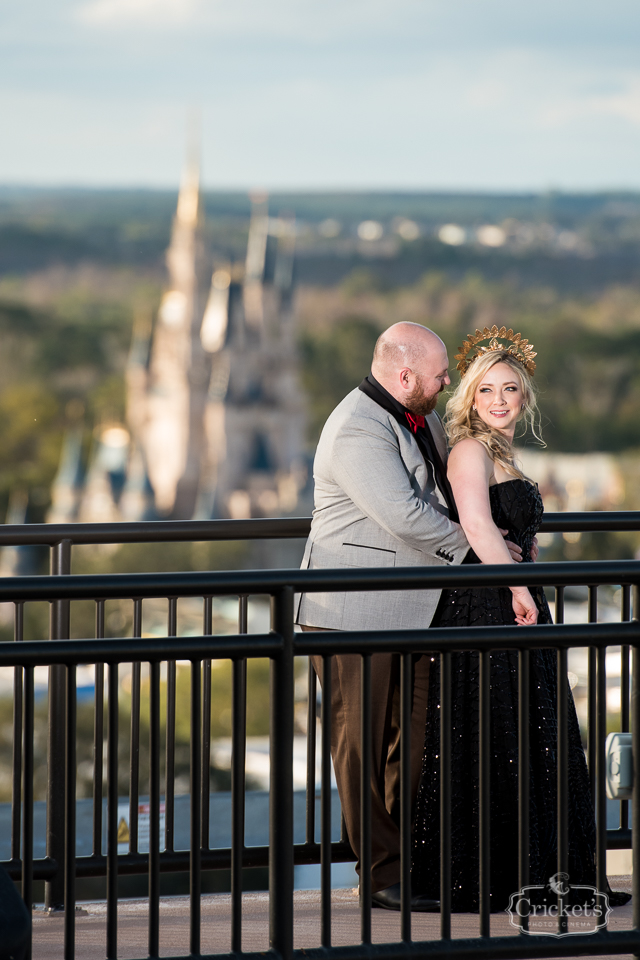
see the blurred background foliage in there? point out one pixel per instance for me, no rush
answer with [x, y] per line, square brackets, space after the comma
[588, 374]
[65, 340]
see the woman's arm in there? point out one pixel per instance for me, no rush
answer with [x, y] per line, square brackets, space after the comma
[469, 470]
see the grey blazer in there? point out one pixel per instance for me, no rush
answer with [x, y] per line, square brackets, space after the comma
[376, 505]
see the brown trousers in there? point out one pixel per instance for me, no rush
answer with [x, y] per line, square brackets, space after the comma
[385, 768]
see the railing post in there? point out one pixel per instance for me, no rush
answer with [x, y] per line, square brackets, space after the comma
[281, 780]
[238, 780]
[635, 802]
[406, 678]
[562, 773]
[445, 795]
[601, 775]
[58, 630]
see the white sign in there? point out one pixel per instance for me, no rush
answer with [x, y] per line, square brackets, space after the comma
[143, 827]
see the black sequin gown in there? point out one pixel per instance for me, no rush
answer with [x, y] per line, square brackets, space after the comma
[517, 506]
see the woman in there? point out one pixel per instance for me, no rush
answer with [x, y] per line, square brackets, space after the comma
[494, 394]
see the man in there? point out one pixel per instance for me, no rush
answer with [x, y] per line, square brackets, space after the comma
[382, 499]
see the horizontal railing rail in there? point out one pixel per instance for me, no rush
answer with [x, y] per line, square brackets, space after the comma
[167, 531]
[154, 531]
[248, 582]
[33, 653]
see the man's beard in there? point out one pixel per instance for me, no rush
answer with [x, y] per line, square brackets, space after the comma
[417, 403]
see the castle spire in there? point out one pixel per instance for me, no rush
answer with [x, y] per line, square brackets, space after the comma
[173, 431]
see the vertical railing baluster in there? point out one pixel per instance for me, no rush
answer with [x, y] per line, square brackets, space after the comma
[625, 615]
[406, 671]
[205, 771]
[485, 792]
[325, 807]
[445, 796]
[154, 810]
[562, 774]
[243, 614]
[312, 706]
[601, 776]
[635, 800]
[16, 785]
[281, 779]
[365, 799]
[559, 612]
[195, 858]
[112, 813]
[70, 820]
[58, 630]
[523, 773]
[27, 796]
[98, 738]
[592, 738]
[170, 744]
[238, 777]
[134, 739]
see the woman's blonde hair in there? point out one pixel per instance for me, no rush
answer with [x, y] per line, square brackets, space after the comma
[462, 421]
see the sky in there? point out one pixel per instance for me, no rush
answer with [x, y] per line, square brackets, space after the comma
[490, 95]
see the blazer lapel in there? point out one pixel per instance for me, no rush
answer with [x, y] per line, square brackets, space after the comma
[423, 436]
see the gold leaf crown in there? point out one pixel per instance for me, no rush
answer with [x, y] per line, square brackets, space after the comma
[521, 349]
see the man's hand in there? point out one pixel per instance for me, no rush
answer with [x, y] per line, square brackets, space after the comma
[513, 548]
[535, 549]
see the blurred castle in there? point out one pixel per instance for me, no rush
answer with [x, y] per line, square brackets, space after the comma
[215, 418]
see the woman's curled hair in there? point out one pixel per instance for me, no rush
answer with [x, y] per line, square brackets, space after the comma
[462, 421]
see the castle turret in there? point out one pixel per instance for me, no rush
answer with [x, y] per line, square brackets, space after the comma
[179, 367]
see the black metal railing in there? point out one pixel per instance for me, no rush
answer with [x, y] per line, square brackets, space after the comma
[282, 646]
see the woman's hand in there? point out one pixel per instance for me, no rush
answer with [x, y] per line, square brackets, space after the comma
[524, 606]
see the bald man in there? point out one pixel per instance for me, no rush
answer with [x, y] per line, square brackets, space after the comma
[382, 499]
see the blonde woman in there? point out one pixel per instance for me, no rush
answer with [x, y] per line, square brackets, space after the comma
[496, 393]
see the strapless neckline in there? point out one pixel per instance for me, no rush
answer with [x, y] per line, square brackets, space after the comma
[516, 506]
[527, 483]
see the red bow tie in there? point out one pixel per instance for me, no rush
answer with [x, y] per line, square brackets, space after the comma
[414, 422]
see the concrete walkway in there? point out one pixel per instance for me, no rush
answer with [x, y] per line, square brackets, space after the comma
[216, 911]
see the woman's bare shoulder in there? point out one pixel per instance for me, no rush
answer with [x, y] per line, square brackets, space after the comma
[469, 449]
[469, 456]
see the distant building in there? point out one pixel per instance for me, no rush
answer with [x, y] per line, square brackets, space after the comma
[214, 408]
[255, 411]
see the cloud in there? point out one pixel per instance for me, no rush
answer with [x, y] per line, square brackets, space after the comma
[157, 12]
[487, 94]
[624, 104]
[304, 20]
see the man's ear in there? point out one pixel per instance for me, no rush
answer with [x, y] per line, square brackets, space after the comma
[405, 374]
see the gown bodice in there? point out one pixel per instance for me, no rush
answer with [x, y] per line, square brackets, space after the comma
[516, 505]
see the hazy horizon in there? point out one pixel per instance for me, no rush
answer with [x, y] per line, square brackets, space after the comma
[329, 191]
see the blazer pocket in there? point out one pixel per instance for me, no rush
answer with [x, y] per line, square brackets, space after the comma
[357, 555]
